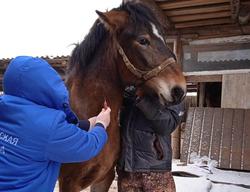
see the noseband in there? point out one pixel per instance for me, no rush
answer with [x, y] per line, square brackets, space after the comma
[145, 75]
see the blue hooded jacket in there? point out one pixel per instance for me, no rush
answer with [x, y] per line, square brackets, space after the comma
[36, 135]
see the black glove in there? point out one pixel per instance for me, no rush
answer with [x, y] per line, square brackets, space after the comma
[129, 95]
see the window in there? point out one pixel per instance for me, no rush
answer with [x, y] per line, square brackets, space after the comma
[216, 57]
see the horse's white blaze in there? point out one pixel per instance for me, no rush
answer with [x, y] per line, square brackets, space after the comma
[156, 32]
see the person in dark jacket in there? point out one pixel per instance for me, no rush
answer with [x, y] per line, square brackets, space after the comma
[146, 154]
[38, 130]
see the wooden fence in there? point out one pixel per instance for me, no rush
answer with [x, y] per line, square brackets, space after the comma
[222, 134]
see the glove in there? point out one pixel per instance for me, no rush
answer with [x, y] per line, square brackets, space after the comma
[129, 95]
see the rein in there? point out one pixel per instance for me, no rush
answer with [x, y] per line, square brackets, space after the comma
[145, 75]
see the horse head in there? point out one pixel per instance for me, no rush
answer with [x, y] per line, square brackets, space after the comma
[145, 59]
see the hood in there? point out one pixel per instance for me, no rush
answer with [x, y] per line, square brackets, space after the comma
[35, 80]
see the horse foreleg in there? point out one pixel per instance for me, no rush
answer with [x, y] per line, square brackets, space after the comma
[68, 186]
[104, 185]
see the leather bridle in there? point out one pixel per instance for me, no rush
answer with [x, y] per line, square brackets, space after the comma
[145, 75]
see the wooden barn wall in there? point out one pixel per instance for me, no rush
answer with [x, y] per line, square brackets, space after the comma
[221, 134]
[236, 91]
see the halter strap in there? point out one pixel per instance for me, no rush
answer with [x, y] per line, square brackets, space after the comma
[145, 75]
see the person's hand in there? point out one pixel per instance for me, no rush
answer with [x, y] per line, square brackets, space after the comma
[92, 122]
[129, 92]
[104, 117]
[129, 95]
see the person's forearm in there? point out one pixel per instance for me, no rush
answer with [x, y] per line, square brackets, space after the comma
[166, 122]
[148, 108]
[84, 125]
[100, 125]
[163, 119]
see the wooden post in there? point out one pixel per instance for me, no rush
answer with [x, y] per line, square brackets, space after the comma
[179, 49]
[236, 91]
[176, 135]
[235, 7]
[201, 94]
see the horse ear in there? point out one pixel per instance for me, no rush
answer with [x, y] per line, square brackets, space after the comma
[113, 20]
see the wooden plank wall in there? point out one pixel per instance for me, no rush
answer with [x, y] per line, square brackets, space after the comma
[202, 19]
[236, 91]
[221, 134]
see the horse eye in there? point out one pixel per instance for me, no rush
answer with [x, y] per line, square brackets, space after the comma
[144, 41]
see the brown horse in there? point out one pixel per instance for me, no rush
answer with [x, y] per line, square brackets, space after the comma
[125, 46]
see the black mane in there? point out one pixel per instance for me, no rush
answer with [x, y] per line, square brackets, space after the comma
[141, 15]
[84, 52]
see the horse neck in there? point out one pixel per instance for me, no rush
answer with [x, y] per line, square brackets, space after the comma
[99, 82]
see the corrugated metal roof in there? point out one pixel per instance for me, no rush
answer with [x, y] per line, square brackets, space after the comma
[227, 55]
[58, 63]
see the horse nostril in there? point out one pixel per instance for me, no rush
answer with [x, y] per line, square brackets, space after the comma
[177, 93]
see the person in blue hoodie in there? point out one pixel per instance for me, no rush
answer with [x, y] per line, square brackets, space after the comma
[38, 130]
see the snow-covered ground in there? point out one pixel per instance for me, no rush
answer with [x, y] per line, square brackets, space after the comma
[208, 182]
[210, 178]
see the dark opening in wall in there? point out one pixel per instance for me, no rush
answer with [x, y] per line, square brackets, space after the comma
[213, 94]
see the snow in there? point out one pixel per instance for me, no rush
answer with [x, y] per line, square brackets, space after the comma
[207, 180]
[227, 188]
[185, 184]
[209, 176]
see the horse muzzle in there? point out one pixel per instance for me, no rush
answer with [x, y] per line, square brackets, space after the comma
[171, 96]
[177, 94]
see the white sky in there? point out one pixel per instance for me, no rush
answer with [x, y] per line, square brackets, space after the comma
[46, 27]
